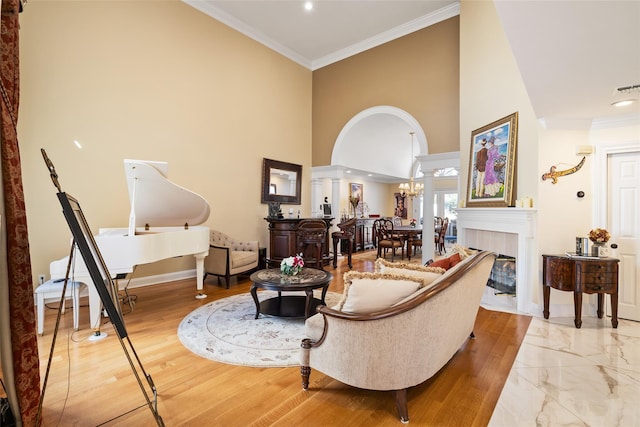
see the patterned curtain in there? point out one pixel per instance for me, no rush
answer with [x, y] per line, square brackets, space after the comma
[22, 371]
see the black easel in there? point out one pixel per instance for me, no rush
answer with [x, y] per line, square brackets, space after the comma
[104, 284]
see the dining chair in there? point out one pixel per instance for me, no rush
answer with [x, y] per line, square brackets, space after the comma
[439, 237]
[416, 242]
[387, 239]
[348, 233]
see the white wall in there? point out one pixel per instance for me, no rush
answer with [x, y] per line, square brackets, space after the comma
[491, 87]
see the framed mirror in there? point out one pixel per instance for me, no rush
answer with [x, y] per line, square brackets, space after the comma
[281, 182]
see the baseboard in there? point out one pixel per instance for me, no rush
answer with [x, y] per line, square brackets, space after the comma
[158, 279]
[139, 282]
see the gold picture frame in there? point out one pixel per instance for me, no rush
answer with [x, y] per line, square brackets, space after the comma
[492, 164]
[355, 190]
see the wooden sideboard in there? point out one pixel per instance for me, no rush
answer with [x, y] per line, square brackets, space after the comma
[365, 238]
[283, 240]
[581, 275]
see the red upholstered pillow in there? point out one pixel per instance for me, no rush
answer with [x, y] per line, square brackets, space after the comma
[454, 259]
[442, 263]
[447, 263]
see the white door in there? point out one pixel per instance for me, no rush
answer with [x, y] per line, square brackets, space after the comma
[624, 224]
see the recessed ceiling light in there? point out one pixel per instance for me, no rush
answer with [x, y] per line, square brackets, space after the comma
[308, 5]
[77, 144]
[348, 171]
[370, 174]
[623, 103]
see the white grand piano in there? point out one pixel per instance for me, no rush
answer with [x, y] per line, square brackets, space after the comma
[163, 223]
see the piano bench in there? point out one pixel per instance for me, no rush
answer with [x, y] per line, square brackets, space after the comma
[53, 289]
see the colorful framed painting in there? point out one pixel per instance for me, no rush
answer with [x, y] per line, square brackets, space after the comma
[355, 191]
[492, 164]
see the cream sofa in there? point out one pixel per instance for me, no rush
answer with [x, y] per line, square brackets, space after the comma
[229, 257]
[402, 345]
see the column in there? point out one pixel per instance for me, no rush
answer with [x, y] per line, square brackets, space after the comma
[335, 200]
[428, 246]
[316, 197]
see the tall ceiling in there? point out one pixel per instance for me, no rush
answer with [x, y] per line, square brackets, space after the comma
[572, 54]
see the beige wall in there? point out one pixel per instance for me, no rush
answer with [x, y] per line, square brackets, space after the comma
[153, 81]
[417, 73]
[491, 88]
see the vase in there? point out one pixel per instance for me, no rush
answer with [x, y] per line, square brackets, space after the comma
[597, 249]
[292, 271]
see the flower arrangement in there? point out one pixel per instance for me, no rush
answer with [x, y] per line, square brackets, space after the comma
[292, 265]
[413, 222]
[599, 235]
[354, 201]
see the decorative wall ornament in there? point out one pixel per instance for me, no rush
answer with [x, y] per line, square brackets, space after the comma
[553, 174]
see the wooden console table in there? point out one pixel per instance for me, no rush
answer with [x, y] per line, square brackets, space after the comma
[581, 275]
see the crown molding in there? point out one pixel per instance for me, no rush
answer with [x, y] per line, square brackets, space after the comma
[392, 34]
[387, 36]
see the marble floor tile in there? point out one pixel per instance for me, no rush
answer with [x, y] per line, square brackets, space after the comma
[563, 376]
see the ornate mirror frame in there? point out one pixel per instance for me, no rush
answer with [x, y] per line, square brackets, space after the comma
[267, 196]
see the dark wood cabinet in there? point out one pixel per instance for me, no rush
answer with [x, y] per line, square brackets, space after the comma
[283, 241]
[581, 275]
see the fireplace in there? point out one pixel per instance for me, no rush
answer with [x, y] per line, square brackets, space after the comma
[503, 275]
[510, 232]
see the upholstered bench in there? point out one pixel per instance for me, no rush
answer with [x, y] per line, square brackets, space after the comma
[53, 289]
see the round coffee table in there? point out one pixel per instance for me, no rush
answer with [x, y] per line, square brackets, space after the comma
[290, 305]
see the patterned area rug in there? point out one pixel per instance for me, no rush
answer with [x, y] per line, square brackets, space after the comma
[226, 331]
[371, 255]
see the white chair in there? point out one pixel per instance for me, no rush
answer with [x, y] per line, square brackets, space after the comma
[53, 289]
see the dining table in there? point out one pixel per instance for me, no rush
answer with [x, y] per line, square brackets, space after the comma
[408, 233]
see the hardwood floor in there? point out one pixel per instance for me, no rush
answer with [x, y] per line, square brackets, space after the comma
[91, 382]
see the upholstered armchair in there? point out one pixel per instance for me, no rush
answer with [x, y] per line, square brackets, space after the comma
[229, 257]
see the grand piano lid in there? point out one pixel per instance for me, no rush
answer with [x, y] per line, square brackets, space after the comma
[158, 202]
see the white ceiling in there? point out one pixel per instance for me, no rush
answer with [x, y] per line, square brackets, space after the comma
[572, 54]
[332, 31]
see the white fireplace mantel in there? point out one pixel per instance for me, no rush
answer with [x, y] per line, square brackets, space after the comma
[519, 221]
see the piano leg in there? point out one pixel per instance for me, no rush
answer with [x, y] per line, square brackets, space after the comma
[200, 274]
[95, 312]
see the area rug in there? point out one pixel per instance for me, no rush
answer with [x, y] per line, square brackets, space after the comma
[226, 331]
[372, 255]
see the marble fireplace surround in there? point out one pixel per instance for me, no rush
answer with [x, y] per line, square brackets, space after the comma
[508, 231]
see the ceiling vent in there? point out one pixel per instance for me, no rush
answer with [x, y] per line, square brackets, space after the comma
[628, 89]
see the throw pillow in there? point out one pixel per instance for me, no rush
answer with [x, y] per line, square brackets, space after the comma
[448, 262]
[454, 259]
[366, 292]
[427, 273]
[442, 263]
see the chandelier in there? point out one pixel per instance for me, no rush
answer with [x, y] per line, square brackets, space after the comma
[410, 188]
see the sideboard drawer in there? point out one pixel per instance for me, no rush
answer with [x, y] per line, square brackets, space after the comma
[604, 285]
[600, 268]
